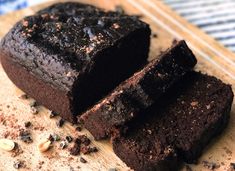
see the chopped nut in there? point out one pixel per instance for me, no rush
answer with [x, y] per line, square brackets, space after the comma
[116, 26]
[7, 145]
[69, 74]
[194, 104]
[149, 131]
[208, 107]
[44, 145]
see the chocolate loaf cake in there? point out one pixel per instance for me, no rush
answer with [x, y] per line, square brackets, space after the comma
[139, 91]
[69, 55]
[192, 113]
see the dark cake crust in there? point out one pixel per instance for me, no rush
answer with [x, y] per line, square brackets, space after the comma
[139, 91]
[193, 112]
[76, 50]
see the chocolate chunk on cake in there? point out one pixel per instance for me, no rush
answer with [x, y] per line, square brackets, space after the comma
[192, 113]
[69, 55]
[139, 91]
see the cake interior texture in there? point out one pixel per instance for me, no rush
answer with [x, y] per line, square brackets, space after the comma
[178, 127]
[139, 91]
[70, 55]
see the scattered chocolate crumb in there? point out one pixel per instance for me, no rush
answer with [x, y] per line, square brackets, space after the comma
[154, 35]
[112, 169]
[25, 136]
[69, 139]
[119, 9]
[84, 140]
[93, 149]
[60, 122]
[83, 160]
[63, 144]
[27, 124]
[210, 165]
[51, 138]
[53, 114]
[85, 150]
[34, 110]
[75, 149]
[17, 150]
[78, 140]
[88, 150]
[78, 128]
[18, 164]
[23, 96]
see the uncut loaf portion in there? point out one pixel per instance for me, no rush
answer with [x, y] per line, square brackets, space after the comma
[139, 92]
[69, 55]
[192, 113]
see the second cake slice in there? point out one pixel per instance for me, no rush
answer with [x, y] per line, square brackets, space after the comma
[139, 91]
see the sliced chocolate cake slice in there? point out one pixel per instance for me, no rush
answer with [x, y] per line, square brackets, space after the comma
[139, 91]
[191, 114]
[69, 55]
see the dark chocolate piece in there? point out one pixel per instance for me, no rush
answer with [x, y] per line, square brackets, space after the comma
[69, 55]
[191, 114]
[139, 91]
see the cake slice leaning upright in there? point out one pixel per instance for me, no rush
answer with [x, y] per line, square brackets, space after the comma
[139, 92]
[69, 55]
[192, 113]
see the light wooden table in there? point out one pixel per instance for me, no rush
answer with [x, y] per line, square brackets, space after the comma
[213, 59]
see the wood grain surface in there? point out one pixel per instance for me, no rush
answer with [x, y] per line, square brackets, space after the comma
[213, 59]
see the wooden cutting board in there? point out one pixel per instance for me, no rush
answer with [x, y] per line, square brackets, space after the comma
[213, 59]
